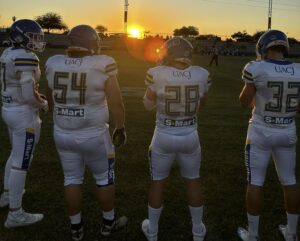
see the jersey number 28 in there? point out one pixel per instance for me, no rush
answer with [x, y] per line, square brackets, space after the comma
[187, 96]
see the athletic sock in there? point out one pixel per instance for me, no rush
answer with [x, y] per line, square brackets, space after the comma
[253, 224]
[197, 215]
[75, 219]
[154, 215]
[292, 221]
[16, 185]
[7, 174]
[110, 215]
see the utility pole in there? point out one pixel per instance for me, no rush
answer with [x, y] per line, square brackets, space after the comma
[125, 16]
[270, 15]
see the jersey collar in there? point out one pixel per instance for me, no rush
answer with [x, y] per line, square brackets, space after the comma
[280, 62]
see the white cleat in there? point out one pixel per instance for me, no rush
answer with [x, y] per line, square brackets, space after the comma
[200, 236]
[145, 229]
[4, 200]
[283, 229]
[21, 218]
[244, 235]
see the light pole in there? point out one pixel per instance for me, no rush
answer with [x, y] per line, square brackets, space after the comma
[125, 16]
[270, 15]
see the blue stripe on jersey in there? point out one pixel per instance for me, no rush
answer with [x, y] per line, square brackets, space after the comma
[283, 62]
[111, 171]
[26, 59]
[29, 144]
[23, 64]
[150, 163]
[247, 162]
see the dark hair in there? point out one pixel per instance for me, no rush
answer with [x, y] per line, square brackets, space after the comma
[278, 48]
[77, 54]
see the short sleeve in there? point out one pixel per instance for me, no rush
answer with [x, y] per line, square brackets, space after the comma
[205, 83]
[26, 62]
[248, 73]
[107, 65]
[149, 81]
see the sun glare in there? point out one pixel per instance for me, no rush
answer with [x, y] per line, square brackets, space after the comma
[135, 33]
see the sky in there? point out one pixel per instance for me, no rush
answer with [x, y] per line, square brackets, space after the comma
[221, 17]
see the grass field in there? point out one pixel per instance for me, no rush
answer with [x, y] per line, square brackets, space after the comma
[222, 130]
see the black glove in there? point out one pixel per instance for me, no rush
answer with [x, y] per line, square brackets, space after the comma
[119, 137]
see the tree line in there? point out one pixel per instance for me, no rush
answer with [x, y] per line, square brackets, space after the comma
[52, 21]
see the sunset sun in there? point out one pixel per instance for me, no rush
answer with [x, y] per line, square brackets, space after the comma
[135, 33]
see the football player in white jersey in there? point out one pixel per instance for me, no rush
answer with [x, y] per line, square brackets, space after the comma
[177, 90]
[272, 91]
[83, 87]
[19, 74]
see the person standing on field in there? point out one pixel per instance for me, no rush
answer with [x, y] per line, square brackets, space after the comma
[21, 101]
[272, 92]
[177, 90]
[83, 87]
[215, 56]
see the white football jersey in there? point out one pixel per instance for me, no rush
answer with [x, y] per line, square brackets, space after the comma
[78, 92]
[277, 86]
[178, 96]
[15, 60]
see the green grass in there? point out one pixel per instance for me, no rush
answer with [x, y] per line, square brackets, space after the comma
[222, 130]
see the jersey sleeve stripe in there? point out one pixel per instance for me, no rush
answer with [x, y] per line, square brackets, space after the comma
[247, 73]
[247, 78]
[110, 70]
[149, 79]
[26, 59]
[26, 64]
[110, 66]
[149, 82]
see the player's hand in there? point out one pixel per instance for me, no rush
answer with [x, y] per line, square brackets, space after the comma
[119, 137]
[45, 106]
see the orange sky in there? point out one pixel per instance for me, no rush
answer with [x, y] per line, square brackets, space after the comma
[222, 17]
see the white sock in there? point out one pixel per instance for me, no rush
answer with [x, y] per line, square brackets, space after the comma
[197, 214]
[16, 185]
[110, 215]
[253, 223]
[7, 173]
[75, 219]
[292, 222]
[154, 215]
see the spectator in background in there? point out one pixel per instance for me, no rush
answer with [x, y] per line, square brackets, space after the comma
[215, 56]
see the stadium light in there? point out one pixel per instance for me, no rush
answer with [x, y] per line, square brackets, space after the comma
[125, 16]
[270, 15]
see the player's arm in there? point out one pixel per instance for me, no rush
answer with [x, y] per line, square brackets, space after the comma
[49, 97]
[29, 91]
[203, 92]
[247, 96]
[149, 99]
[203, 101]
[116, 106]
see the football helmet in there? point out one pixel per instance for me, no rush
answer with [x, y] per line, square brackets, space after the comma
[271, 38]
[27, 34]
[84, 38]
[178, 49]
